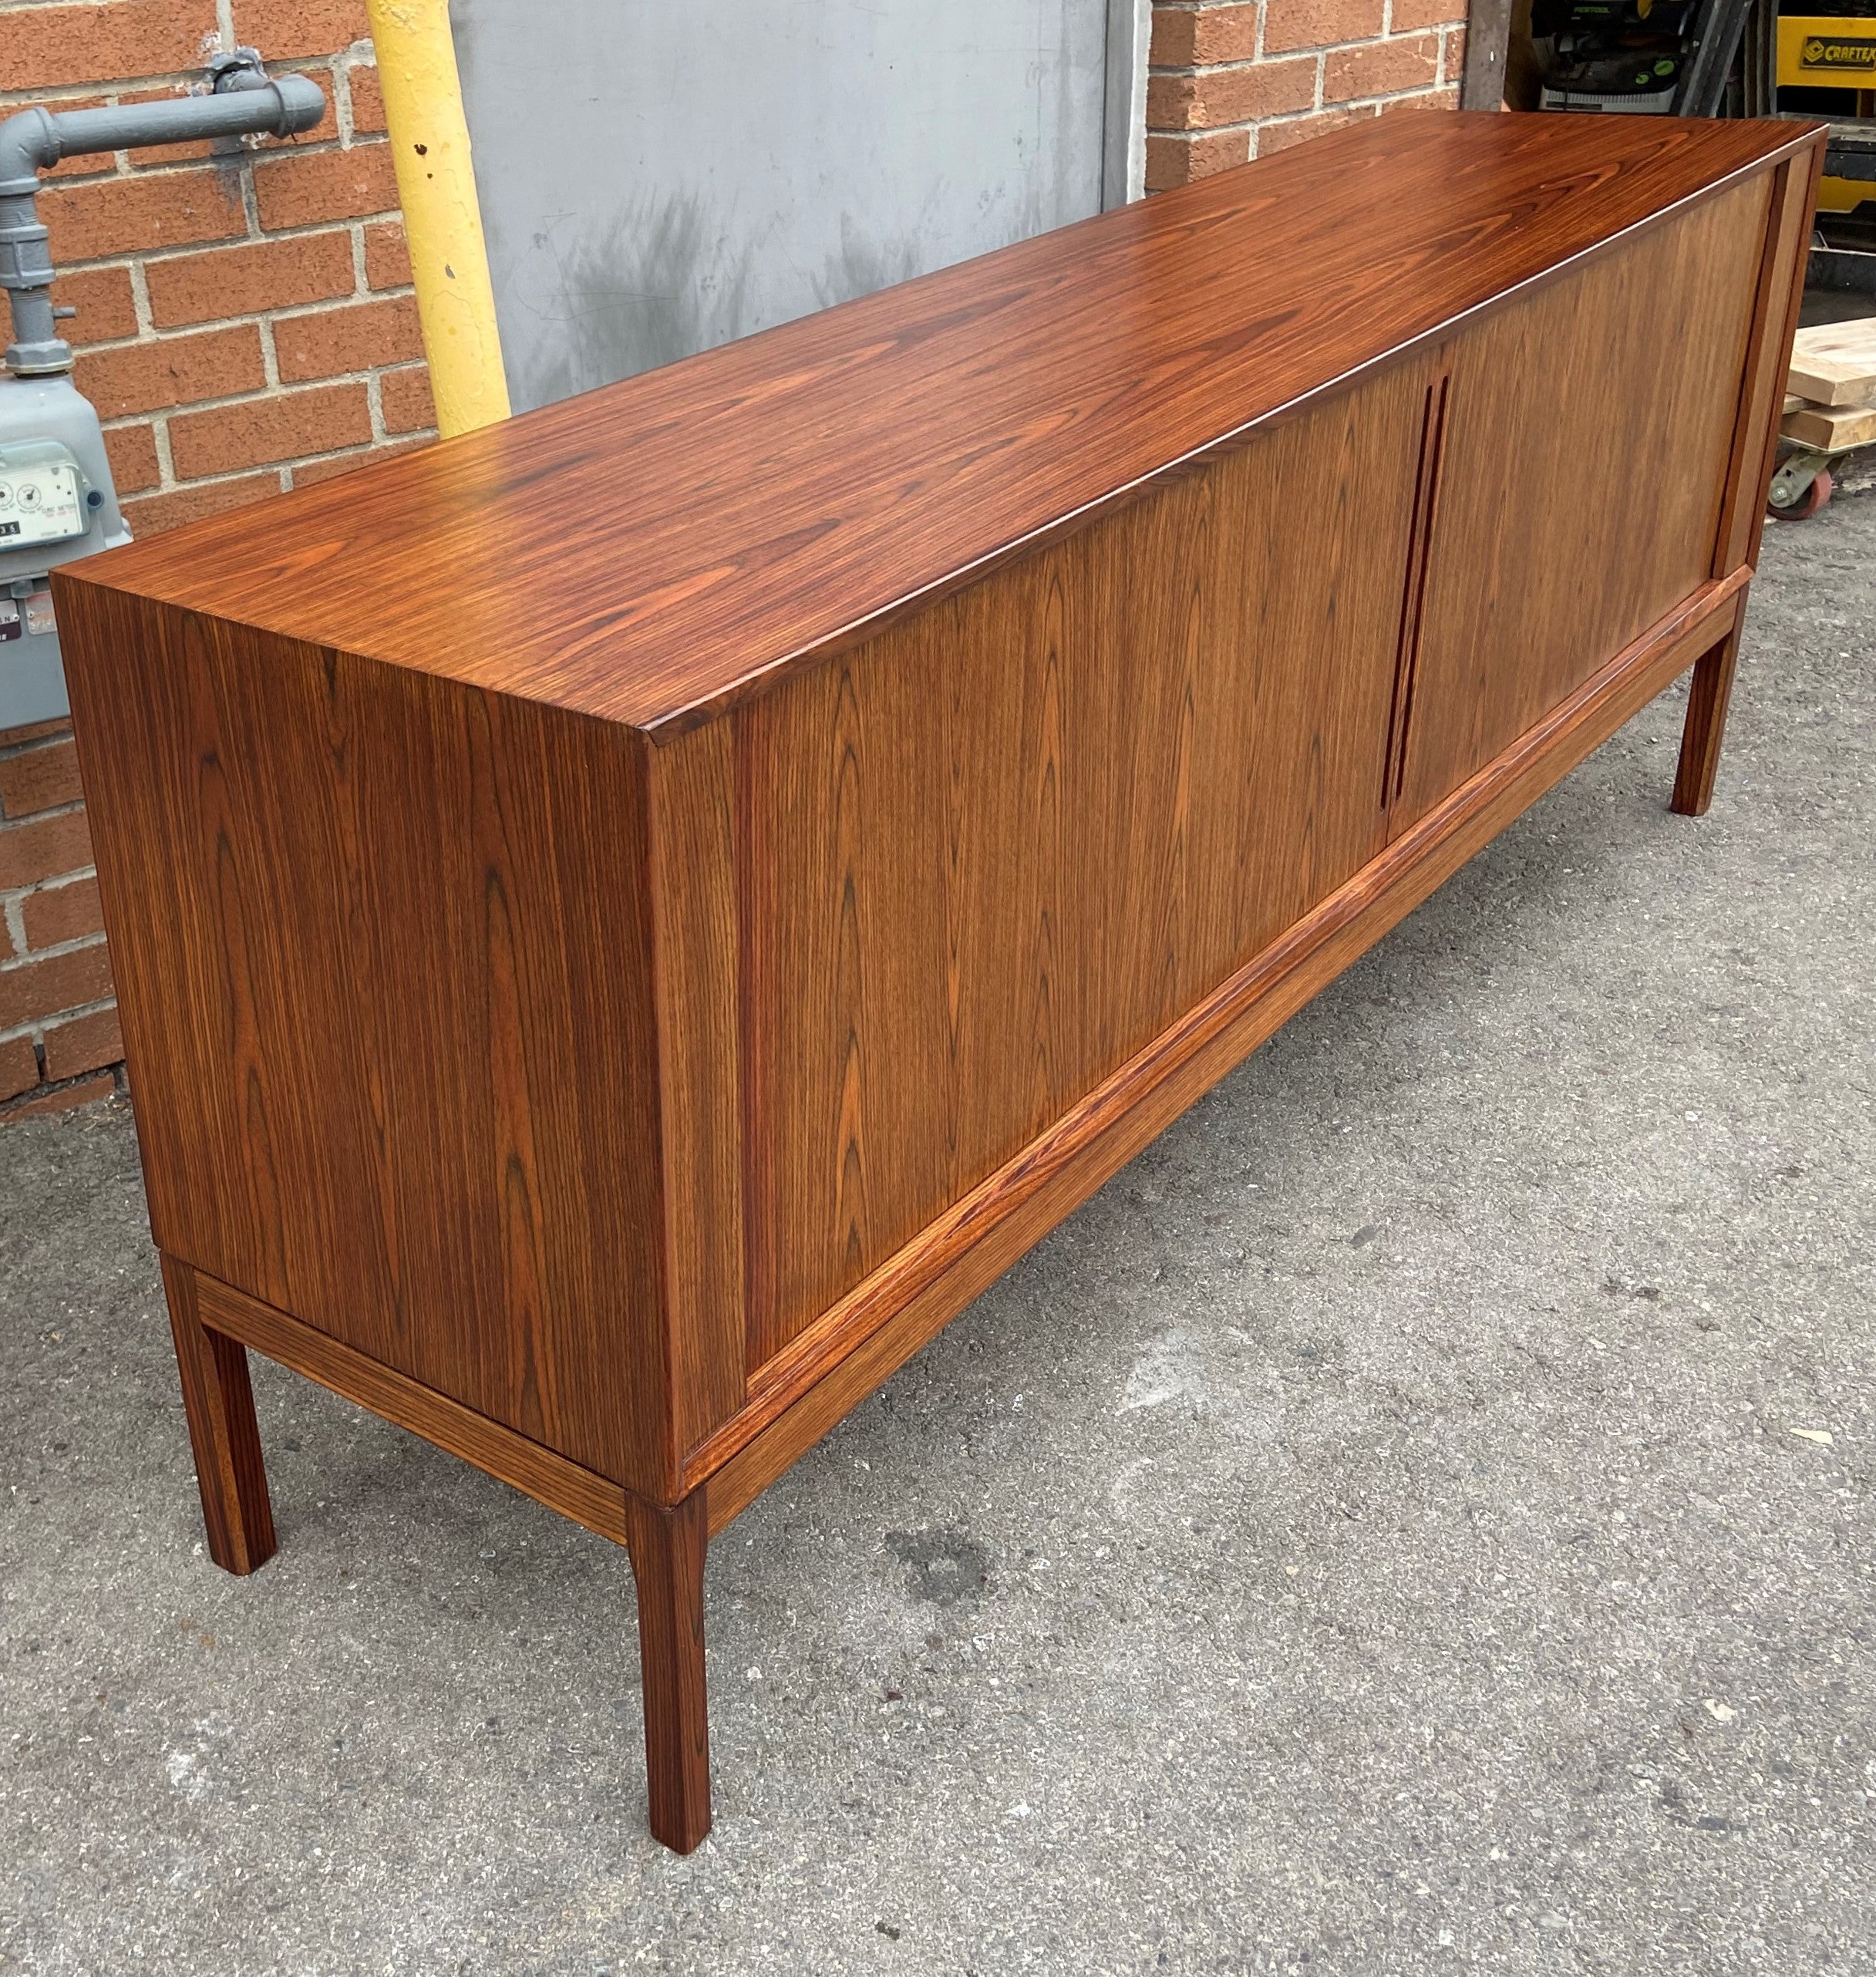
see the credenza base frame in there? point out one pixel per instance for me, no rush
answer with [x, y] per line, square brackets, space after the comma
[874, 1330]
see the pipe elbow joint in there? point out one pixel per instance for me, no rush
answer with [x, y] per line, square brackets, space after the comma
[28, 145]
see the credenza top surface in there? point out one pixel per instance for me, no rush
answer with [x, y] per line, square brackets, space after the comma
[648, 552]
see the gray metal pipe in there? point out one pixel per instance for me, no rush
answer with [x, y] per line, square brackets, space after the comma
[245, 102]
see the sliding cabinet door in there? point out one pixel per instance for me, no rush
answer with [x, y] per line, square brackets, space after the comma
[1584, 436]
[991, 854]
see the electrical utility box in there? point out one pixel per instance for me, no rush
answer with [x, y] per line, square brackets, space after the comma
[56, 502]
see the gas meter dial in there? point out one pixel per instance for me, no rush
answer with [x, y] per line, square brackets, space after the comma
[42, 495]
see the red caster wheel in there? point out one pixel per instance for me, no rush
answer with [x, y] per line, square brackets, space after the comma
[1814, 497]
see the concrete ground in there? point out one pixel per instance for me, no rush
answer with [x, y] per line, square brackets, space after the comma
[1417, 1519]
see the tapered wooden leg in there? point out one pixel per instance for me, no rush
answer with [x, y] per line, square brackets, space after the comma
[222, 1429]
[667, 1547]
[1705, 728]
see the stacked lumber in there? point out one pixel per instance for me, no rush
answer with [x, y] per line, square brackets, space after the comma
[1831, 386]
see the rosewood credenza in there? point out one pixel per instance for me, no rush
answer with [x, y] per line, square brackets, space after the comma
[626, 921]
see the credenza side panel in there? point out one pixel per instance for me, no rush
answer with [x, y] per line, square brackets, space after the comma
[1589, 430]
[380, 947]
[987, 856]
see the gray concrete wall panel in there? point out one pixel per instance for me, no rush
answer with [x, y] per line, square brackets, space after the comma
[656, 179]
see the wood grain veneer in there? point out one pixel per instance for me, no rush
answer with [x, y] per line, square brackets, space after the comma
[1554, 544]
[785, 492]
[626, 921]
[1017, 835]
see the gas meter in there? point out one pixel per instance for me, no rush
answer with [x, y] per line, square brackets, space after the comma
[56, 502]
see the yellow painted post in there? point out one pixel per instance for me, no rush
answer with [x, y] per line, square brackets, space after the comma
[449, 264]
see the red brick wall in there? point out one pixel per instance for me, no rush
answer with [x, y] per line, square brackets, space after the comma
[57, 1023]
[242, 327]
[1233, 79]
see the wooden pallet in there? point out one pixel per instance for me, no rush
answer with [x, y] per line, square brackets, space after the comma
[1832, 428]
[1835, 364]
